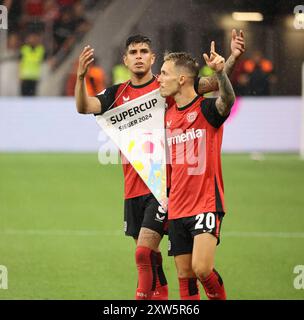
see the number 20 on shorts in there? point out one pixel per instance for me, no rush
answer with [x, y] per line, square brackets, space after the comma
[205, 219]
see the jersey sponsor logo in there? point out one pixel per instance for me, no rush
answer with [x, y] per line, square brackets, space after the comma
[191, 116]
[187, 147]
[169, 123]
[125, 99]
[184, 137]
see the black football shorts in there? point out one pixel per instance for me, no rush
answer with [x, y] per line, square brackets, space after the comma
[144, 211]
[182, 231]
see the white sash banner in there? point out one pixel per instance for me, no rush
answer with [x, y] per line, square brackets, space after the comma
[137, 128]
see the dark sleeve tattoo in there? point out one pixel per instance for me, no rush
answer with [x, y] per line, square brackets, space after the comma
[226, 99]
[208, 84]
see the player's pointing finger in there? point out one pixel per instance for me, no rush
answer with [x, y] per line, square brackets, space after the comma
[212, 47]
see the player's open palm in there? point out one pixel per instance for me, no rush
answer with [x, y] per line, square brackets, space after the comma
[215, 61]
[85, 59]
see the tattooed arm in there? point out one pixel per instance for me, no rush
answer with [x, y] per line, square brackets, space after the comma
[226, 99]
[208, 84]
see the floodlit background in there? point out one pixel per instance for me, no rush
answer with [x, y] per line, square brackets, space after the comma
[61, 211]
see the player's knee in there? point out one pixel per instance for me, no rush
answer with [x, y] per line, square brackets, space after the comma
[185, 273]
[143, 255]
[202, 270]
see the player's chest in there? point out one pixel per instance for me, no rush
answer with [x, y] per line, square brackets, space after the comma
[186, 120]
[131, 93]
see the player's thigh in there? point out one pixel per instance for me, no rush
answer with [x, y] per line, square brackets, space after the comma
[180, 246]
[149, 238]
[203, 254]
[206, 232]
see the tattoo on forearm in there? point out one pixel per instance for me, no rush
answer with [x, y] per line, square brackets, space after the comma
[227, 97]
[208, 84]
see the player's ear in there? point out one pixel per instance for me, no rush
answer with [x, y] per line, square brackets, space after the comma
[181, 79]
[153, 58]
[124, 58]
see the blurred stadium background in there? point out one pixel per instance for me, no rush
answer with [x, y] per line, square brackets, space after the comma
[61, 211]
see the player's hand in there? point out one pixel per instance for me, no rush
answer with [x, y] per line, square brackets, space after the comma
[85, 59]
[215, 61]
[237, 43]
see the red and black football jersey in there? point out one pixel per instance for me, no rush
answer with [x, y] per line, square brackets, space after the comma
[115, 96]
[194, 137]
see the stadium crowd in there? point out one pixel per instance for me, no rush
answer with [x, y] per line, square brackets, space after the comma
[45, 32]
[41, 31]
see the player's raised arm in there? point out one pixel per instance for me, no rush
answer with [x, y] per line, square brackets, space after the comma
[226, 99]
[237, 46]
[84, 103]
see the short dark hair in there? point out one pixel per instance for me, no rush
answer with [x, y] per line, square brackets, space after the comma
[138, 38]
[185, 60]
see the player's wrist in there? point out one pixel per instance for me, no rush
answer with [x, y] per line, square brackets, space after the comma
[81, 76]
[220, 72]
[235, 56]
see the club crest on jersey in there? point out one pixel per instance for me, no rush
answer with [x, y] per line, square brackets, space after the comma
[191, 116]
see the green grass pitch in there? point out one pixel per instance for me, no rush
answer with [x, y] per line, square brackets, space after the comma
[61, 228]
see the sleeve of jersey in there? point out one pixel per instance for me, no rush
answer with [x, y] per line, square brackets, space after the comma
[211, 113]
[107, 99]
